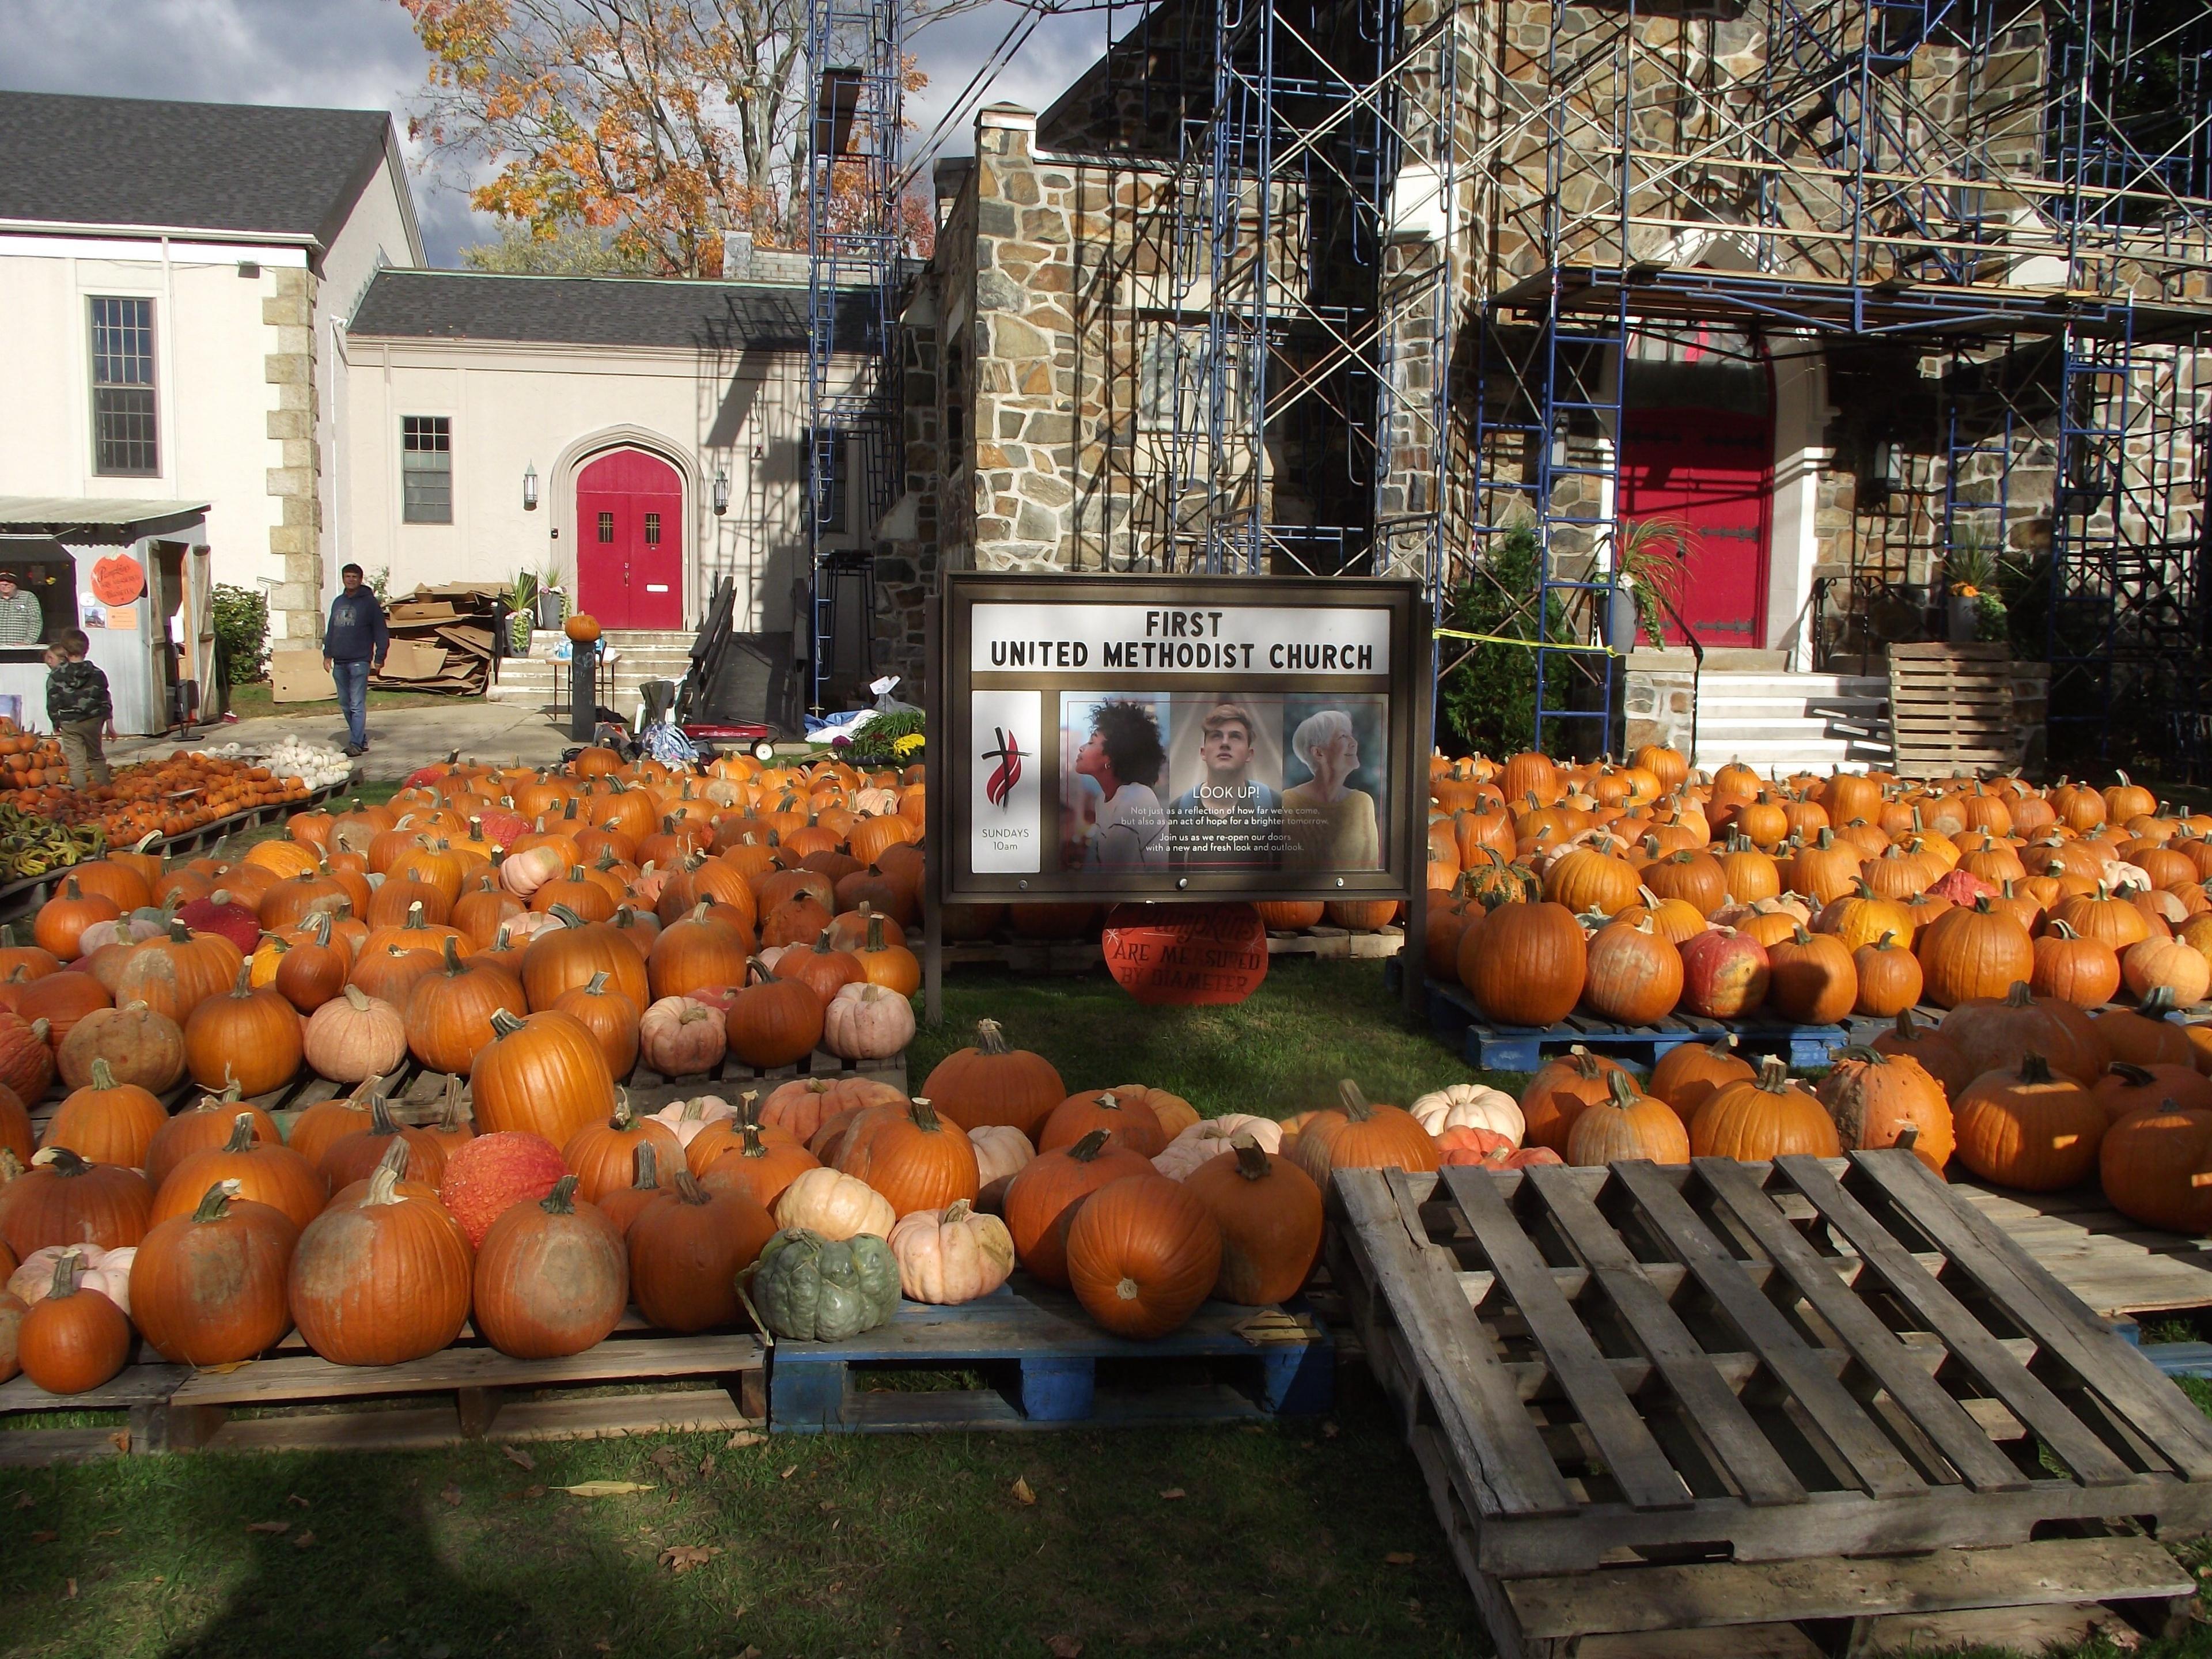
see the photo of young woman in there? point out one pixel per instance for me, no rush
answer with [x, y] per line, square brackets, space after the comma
[1113, 784]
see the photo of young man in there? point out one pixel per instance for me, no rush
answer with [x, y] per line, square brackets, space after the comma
[1228, 819]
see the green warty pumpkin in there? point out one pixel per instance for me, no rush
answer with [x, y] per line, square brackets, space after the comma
[809, 1290]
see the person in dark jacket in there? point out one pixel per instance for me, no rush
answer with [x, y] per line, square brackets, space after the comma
[354, 641]
[78, 705]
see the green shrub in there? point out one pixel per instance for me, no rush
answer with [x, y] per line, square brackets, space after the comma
[242, 630]
[1488, 701]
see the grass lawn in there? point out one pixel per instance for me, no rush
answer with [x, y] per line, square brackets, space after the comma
[1250, 1539]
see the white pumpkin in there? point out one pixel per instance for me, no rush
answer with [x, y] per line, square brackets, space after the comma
[1471, 1106]
[107, 1272]
[685, 1119]
[1001, 1151]
[834, 1205]
[2120, 877]
[1205, 1141]
[953, 1257]
[867, 1022]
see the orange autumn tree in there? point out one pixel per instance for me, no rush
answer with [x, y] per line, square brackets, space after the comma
[658, 124]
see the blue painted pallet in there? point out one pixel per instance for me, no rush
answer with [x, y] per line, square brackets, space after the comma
[1497, 1047]
[1046, 1366]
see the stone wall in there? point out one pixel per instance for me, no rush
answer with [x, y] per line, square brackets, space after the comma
[1659, 700]
[295, 604]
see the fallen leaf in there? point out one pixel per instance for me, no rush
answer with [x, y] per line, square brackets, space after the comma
[109, 1532]
[1172, 1493]
[604, 1488]
[533, 1492]
[1022, 1492]
[750, 1652]
[681, 1558]
[520, 1458]
[1398, 1558]
[70, 1595]
[1064, 1647]
[298, 1502]
[706, 1464]
[788, 1472]
[827, 1506]
[43, 1537]
[24, 1501]
[120, 1439]
[744, 1438]
[269, 1525]
[305, 1541]
[664, 1459]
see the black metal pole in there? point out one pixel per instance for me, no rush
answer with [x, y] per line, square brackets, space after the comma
[583, 688]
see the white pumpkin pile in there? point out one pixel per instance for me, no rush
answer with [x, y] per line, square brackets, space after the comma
[315, 764]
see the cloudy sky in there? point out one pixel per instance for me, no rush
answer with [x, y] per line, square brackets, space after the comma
[361, 54]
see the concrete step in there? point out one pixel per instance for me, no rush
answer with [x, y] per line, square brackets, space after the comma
[1786, 710]
[1792, 685]
[1787, 755]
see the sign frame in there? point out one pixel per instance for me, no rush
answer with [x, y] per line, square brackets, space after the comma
[953, 691]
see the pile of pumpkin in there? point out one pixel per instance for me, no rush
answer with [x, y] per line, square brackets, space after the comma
[1633, 891]
[168, 797]
[216, 1231]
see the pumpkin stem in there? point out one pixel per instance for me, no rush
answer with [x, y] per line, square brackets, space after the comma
[875, 929]
[179, 934]
[379, 1117]
[1799, 936]
[2136, 1075]
[241, 1133]
[1773, 1073]
[102, 1077]
[65, 1269]
[689, 1191]
[2034, 1069]
[1089, 1146]
[925, 1115]
[503, 1024]
[2020, 996]
[62, 1161]
[1584, 1060]
[1860, 1052]
[561, 1200]
[2159, 1003]
[1355, 1104]
[647, 1164]
[1621, 1089]
[989, 1039]
[384, 1180]
[1251, 1162]
[214, 1203]
[355, 998]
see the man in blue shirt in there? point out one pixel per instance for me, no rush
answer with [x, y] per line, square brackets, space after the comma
[354, 641]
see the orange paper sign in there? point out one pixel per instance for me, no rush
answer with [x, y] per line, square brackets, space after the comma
[1187, 954]
[118, 579]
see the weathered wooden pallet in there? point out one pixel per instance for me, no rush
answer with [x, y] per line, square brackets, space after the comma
[23, 897]
[302, 1402]
[1950, 710]
[1714, 1390]
[1338, 943]
[1496, 1048]
[649, 1090]
[1047, 1364]
[1028, 955]
[141, 1391]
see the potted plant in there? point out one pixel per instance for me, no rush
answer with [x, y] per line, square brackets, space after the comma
[1974, 608]
[522, 608]
[552, 603]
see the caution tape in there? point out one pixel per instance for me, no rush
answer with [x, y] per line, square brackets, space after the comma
[1531, 645]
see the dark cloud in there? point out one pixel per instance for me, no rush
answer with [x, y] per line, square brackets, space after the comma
[361, 54]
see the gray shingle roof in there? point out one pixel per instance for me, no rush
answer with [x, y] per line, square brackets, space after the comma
[246, 167]
[611, 311]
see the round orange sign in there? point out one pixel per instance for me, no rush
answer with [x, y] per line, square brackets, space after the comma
[119, 580]
[1188, 954]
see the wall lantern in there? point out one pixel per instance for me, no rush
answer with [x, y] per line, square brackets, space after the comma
[721, 492]
[529, 488]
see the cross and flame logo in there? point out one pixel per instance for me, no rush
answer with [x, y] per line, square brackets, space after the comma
[999, 787]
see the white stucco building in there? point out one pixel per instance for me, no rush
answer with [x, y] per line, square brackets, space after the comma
[172, 279]
[621, 402]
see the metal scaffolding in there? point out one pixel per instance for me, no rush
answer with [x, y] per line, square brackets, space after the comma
[2023, 191]
[856, 64]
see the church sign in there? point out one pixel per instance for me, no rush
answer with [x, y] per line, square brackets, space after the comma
[1132, 738]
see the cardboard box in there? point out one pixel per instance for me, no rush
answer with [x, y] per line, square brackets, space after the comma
[300, 677]
[408, 660]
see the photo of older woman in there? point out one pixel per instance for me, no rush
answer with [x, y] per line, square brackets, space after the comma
[1327, 823]
[1124, 757]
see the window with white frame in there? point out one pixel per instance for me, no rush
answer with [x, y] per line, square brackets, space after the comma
[125, 442]
[426, 468]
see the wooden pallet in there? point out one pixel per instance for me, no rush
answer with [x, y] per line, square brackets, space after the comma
[1042, 1357]
[1950, 710]
[649, 1090]
[1028, 955]
[1339, 943]
[140, 1390]
[1494, 1047]
[1643, 1397]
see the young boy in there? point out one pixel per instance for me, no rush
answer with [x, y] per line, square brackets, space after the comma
[78, 705]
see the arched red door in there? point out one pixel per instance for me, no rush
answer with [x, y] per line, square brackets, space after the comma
[630, 541]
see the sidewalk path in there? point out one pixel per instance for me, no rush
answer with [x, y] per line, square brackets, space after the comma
[400, 739]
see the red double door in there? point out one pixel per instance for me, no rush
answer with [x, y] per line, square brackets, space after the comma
[630, 541]
[1708, 470]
